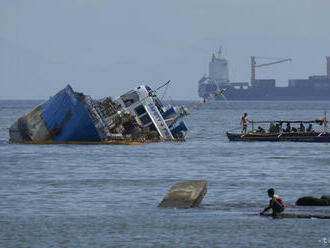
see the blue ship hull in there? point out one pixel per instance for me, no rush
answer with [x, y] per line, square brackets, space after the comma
[67, 116]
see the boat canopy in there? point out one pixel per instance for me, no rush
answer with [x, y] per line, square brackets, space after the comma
[319, 121]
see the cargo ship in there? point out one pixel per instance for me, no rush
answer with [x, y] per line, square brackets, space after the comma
[313, 88]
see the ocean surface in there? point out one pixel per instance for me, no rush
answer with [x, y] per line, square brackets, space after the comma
[107, 196]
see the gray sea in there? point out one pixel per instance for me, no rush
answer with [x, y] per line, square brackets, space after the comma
[107, 196]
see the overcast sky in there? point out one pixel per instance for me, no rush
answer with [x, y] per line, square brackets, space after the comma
[105, 47]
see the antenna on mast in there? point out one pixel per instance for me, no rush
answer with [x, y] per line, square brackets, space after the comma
[220, 52]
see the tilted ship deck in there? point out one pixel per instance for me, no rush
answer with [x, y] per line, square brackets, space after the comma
[70, 117]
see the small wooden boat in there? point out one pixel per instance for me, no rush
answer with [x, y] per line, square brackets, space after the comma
[294, 135]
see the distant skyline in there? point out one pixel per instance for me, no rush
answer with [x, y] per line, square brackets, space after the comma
[105, 48]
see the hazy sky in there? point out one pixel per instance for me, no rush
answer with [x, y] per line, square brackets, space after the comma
[105, 47]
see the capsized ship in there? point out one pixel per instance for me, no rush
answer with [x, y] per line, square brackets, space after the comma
[316, 87]
[73, 117]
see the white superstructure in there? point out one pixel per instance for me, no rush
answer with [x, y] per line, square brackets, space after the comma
[218, 75]
[151, 113]
[218, 69]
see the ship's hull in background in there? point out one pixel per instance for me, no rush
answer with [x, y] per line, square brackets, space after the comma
[272, 94]
[279, 93]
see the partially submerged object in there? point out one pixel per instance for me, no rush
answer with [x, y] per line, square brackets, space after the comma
[71, 117]
[187, 194]
[276, 133]
[296, 216]
[313, 201]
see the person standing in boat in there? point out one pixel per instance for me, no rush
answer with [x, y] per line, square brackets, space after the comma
[276, 203]
[244, 123]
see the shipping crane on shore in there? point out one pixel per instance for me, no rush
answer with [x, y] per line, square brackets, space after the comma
[254, 65]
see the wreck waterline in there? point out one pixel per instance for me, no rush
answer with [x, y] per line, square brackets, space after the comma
[109, 142]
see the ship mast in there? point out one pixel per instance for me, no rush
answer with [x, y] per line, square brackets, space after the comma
[328, 66]
[253, 71]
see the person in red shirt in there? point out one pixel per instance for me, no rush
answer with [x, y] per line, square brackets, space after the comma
[276, 203]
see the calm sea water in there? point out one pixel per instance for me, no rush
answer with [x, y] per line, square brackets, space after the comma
[107, 196]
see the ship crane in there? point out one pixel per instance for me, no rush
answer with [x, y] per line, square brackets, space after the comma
[254, 65]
